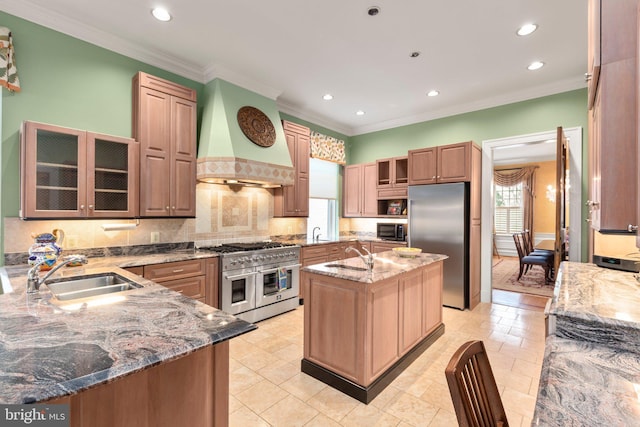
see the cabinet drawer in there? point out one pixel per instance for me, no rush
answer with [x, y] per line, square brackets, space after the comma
[393, 193]
[314, 260]
[174, 270]
[139, 270]
[191, 286]
[314, 251]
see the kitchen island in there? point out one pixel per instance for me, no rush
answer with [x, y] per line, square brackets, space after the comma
[591, 369]
[144, 357]
[363, 328]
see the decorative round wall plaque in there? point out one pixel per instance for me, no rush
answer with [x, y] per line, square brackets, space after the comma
[256, 126]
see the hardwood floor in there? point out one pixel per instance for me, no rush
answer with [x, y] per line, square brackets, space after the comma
[518, 300]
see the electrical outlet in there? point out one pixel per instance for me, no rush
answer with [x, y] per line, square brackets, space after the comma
[155, 236]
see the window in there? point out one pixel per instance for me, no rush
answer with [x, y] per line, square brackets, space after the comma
[323, 193]
[508, 213]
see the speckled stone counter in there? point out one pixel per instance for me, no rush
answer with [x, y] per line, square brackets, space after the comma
[385, 265]
[591, 370]
[48, 350]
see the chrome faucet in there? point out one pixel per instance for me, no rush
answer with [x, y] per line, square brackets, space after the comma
[368, 259]
[315, 238]
[34, 280]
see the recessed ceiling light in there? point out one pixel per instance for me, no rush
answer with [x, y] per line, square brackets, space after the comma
[327, 97]
[359, 113]
[414, 54]
[161, 14]
[373, 10]
[433, 93]
[526, 29]
[535, 65]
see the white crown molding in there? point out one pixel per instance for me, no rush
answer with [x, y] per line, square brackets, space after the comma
[80, 30]
[217, 71]
[320, 121]
[504, 99]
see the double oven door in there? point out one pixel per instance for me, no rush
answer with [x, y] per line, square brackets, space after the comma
[238, 290]
[277, 282]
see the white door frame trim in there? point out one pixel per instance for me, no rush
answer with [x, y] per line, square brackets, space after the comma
[575, 197]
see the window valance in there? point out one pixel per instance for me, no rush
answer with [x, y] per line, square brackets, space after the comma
[8, 71]
[327, 148]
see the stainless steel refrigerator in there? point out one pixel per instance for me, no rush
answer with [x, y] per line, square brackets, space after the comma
[439, 223]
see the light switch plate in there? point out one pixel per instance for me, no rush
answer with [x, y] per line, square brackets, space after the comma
[155, 236]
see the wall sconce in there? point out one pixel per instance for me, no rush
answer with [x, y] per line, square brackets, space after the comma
[551, 193]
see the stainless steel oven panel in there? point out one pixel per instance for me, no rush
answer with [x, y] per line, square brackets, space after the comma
[265, 292]
[238, 290]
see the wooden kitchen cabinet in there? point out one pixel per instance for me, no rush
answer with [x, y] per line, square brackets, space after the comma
[293, 200]
[392, 173]
[71, 173]
[613, 136]
[192, 390]
[359, 196]
[445, 163]
[164, 122]
[196, 278]
[385, 246]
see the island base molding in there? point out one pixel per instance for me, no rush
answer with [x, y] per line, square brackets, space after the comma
[367, 394]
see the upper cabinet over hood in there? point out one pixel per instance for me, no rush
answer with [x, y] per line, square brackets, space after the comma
[225, 154]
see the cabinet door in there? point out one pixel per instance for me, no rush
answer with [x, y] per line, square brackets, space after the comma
[385, 246]
[53, 171]
[154, 134]
[411, 306]
[183, 157]
[454, 162]
[617, 147]
[432, 279]
[593, 50]
[112, 176]
[422, 166]
[352, 185]
[369, 194]
[293, 200]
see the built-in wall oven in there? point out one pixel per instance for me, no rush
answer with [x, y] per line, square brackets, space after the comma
[258, 280]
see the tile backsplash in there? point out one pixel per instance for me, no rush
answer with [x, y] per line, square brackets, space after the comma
[223, 214]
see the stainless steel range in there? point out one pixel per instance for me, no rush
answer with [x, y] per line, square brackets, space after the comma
[258, 280]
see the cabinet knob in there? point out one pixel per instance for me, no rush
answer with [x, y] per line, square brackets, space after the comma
[173, 207]
[433, 177]
[167, 208]
[587, 220]
[632, 228]
[90, 206]
[587, 76]
[82, 207]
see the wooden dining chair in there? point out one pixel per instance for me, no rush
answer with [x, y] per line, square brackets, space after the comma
[527, 261]
[473, 388]
[530, 249]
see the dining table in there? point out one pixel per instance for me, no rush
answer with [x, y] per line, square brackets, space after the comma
[547, 244]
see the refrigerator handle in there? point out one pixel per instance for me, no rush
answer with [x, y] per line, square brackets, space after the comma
[409, 203]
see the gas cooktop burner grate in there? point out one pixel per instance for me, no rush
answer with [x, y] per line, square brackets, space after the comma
[242, 247]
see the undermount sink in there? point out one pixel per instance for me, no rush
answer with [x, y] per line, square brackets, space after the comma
[67, 289]
[348, 267]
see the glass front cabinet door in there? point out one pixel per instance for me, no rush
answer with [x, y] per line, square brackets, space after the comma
[70, 173]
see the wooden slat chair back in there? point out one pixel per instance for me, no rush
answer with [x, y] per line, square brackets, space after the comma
[473, 388]
[526, 261]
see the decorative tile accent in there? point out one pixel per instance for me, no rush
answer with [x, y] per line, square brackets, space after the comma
[223, 168]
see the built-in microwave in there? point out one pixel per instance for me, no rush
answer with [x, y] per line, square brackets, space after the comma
[391, 231]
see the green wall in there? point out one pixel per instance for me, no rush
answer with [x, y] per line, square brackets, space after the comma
[567, 109]
[66, 82]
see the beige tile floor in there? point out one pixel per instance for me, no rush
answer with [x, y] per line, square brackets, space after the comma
[268, 389]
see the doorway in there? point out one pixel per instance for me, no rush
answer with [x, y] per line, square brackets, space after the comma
[489, 153]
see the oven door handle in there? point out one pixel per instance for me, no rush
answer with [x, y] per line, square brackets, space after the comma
[273, 270]
[237, 276]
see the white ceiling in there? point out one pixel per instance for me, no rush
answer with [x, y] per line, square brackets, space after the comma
[295, 51]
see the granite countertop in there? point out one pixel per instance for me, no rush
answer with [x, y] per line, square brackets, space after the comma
[385, 265]
[591, 368]
[594, 294]
[49, 350]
